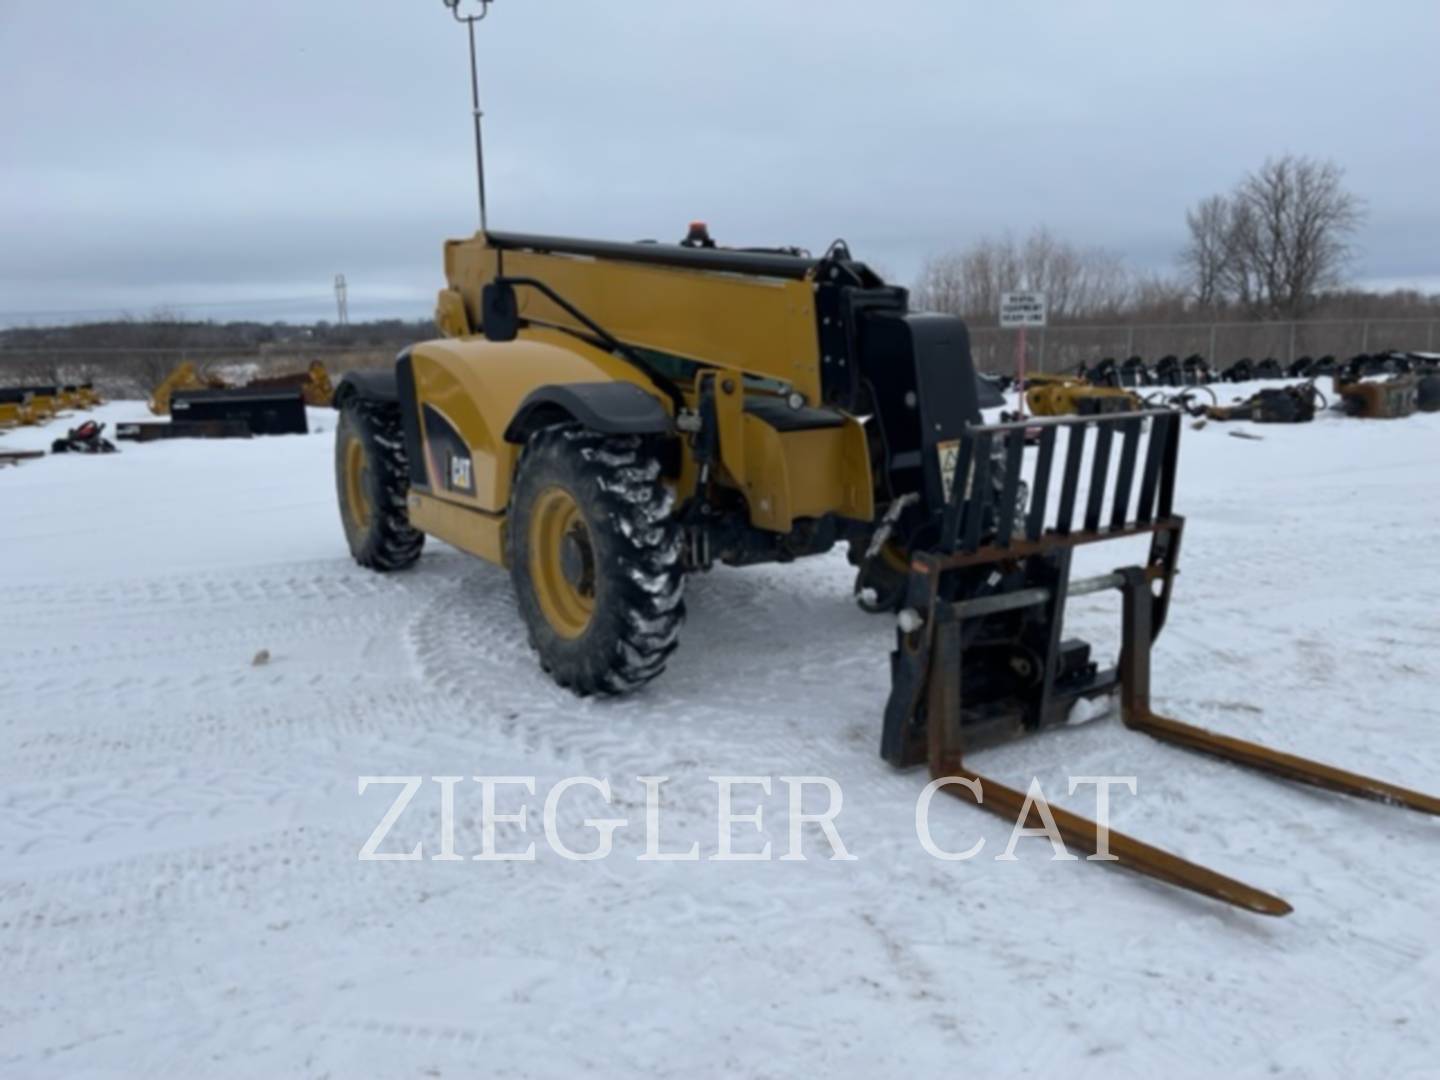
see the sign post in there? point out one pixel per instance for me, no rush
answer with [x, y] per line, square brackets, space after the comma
[1019, 311]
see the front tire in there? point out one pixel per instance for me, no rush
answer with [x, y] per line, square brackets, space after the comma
[880, 582]
[371, 482]
[594, 554]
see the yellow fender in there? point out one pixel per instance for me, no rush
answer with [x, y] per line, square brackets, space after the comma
[470, 391]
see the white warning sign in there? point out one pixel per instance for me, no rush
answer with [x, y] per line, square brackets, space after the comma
[1022, 309]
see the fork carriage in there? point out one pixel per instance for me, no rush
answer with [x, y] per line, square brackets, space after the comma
[981, 658]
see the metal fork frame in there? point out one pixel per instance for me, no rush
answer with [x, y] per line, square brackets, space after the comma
[1145, 595]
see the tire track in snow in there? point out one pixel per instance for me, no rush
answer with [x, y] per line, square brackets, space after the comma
[324, 580]
[469, 643]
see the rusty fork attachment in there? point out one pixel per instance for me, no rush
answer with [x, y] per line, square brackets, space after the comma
[980, 656]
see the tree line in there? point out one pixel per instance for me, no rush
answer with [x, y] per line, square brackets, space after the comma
[130, 356]
[1275, 247]
[162, 330]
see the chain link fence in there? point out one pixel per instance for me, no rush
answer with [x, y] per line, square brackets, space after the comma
[133, 372]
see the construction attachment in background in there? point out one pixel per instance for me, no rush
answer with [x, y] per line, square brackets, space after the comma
[24, 405]
[88, 438]
[1070, 395]
[1379, 399]
[1380, 386]
[206, 406]
[1273, 405]
[15, 457]
[1196, 370]
[313, 385]
[155, 430]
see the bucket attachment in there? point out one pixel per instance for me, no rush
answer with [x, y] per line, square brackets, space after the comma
[981, 657]
[312, 385]
[1379, 399]
[265, 412]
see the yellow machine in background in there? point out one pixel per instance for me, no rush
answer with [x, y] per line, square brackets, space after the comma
[15, 408]
[1070, 395]
[78, 396]
[185, 376]
[35, 404]
[45, 403]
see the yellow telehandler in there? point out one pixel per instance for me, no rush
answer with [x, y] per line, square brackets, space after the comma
[605, 418]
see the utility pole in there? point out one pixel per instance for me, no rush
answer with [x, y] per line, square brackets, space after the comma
[342, 302]
[470, 21]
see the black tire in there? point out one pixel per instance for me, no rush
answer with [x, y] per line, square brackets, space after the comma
[625, 548]
[881, 582]
[372, 484]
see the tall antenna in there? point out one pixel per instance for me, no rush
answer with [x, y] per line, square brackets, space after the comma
[342, 302]
[470, 21]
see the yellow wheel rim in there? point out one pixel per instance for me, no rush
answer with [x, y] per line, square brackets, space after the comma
[895, 557]
[562, 562]
[357, 472]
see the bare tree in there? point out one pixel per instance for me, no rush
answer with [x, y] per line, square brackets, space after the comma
[1276, 241]
[1077, 282]
[942, 284]
[1155, 298]
[165, 336]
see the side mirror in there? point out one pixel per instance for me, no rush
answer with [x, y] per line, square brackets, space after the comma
[499, 312]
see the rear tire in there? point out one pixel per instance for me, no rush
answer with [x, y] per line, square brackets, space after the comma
[371, 482]
[594, 554]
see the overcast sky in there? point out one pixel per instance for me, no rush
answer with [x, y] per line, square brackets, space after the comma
[161, 152]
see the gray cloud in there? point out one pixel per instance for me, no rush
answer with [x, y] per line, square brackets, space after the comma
[170, 153]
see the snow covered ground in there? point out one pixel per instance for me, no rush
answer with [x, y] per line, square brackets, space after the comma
[180, 892]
